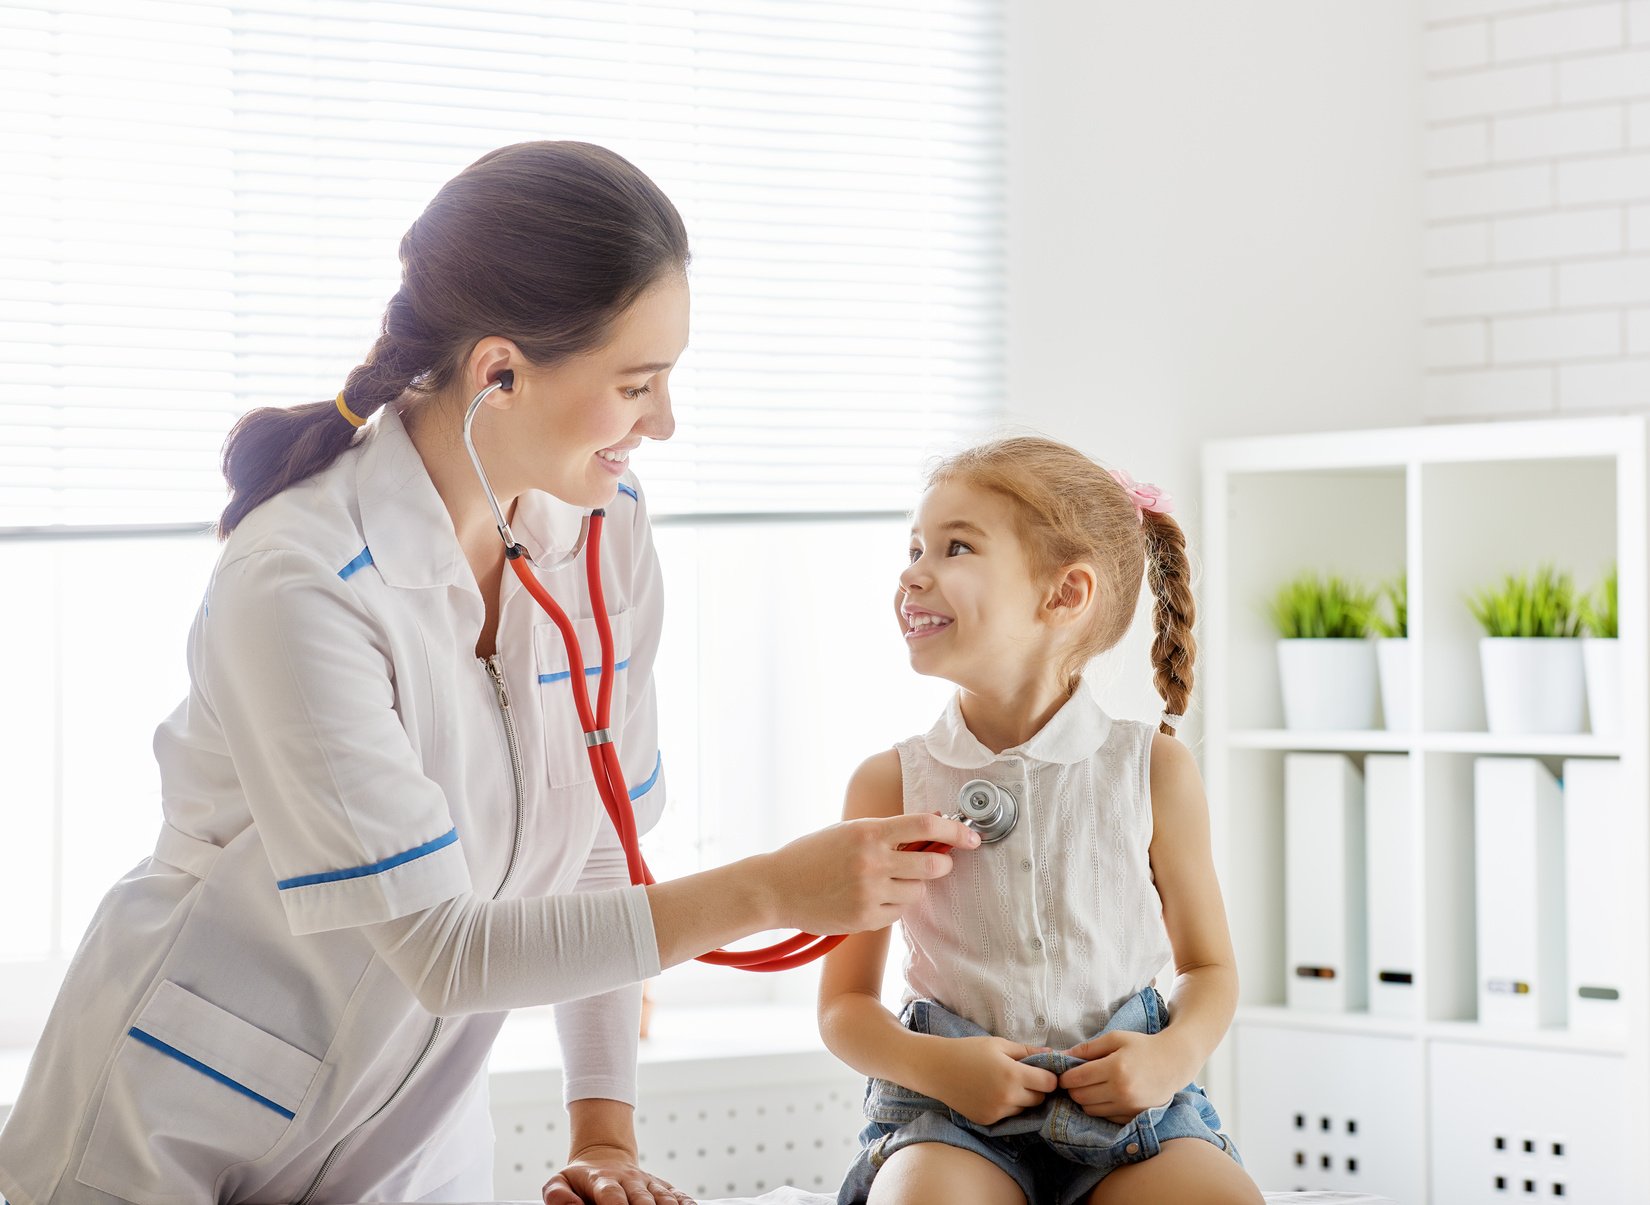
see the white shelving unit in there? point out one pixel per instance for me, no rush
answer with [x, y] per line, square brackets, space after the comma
[1441, 1109]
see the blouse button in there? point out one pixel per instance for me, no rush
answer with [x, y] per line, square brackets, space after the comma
[1039, 1021]
[1036, 943]
[1025, 863]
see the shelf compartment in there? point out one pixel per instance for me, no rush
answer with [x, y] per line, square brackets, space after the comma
[1482, 522]
[1350, 523]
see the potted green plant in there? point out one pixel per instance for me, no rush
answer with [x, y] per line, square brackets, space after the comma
[1601, 658]
[1392, 657]
[1531, 653]
[1326, 661]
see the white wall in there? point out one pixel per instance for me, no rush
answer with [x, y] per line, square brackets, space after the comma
[1214, 229]
[1537, 156]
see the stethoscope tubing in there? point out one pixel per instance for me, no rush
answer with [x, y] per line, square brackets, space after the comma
[784, 955]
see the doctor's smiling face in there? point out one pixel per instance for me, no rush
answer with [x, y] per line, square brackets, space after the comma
[569, 428]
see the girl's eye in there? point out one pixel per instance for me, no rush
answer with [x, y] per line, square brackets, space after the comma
[956, 544]
[632, 394]
[915, 552]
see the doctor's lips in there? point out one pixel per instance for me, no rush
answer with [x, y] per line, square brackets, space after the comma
[616, 459]
[920, 623]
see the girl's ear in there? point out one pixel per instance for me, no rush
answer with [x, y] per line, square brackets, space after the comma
[1072, 595]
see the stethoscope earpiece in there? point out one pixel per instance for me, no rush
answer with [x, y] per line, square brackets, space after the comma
[988, 809]
[506, 379]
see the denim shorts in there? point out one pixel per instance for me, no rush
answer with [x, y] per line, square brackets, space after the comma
[1054, 1151]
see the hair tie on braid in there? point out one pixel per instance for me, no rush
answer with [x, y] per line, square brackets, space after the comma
[354, 419]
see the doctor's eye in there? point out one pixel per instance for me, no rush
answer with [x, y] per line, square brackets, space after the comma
[632, 394]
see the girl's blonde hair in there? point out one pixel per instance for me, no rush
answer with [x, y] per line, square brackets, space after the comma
[1071, 510]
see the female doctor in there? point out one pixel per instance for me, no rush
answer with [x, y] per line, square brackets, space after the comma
[381, 828]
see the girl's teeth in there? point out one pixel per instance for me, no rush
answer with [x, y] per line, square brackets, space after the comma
[616, 457]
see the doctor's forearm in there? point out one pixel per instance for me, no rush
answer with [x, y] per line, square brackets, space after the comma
[705, 911]
[472, 955]
[595, 1124]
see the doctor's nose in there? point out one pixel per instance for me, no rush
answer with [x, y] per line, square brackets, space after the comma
[659, 422]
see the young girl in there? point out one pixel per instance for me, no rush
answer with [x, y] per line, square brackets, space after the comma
[1033, 1060]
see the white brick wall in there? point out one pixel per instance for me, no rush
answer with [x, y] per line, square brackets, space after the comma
[1536, 206]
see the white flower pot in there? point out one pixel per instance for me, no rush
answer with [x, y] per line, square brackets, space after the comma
[1602, 658]
[1328, 684]
[1394, 661]
[1533, 685]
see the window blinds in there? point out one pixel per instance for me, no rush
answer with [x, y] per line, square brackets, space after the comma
[202, 204]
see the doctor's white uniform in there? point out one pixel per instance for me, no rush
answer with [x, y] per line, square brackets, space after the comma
[344, 758]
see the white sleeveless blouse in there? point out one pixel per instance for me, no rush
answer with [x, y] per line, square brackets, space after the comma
[1041, 936]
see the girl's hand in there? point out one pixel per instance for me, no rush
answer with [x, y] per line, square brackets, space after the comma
[1126, 1072]
[854, 877]
[608, 1175]
[983, 1079]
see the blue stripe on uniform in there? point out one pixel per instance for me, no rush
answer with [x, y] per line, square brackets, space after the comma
[590, 672]
[149, 1039]
[360, 562]
[625, 489]
[359, 872]
[658, 764]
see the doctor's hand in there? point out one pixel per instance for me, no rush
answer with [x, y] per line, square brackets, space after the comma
[854, 876]
[1126, 1073]
[983, 1078]
[608, 1175]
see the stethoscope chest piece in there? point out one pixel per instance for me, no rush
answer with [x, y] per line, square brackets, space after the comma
[988, 809]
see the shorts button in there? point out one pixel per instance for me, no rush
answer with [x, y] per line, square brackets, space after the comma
[1133, 1148]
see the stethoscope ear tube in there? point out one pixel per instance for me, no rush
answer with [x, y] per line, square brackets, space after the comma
[512, 549]
[609, 775]
[599, 747]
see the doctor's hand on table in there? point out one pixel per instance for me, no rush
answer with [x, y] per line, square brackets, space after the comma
[602, 1167]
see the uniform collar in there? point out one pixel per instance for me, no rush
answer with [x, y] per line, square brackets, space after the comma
[407, 527]
[1071, 734]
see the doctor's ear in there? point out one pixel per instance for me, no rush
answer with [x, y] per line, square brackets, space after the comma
[493, 361]
[1072, 594]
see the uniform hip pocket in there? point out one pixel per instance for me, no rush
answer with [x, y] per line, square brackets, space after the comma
[192, 1090]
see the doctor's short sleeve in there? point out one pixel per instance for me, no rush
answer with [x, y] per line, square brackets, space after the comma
[301, 682]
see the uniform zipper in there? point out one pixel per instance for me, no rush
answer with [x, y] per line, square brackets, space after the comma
[497, 675]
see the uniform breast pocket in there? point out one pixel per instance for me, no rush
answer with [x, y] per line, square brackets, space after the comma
[564, 747]
[192, 1091]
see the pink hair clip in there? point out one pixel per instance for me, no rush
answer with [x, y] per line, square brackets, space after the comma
[1144, 495]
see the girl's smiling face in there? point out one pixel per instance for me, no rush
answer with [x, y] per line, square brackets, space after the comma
[969, 604]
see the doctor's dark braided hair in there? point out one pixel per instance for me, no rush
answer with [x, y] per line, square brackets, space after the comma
[1071, 510]
[542, 243]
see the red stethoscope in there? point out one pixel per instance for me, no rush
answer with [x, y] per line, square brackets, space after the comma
[990, 809]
